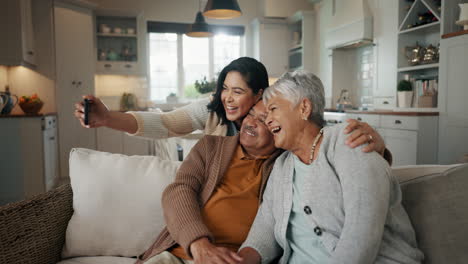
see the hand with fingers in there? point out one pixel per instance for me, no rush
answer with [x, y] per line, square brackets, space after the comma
[361, 133]
[204, 252]
[98, 112]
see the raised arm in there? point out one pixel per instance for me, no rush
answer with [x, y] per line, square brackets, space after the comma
[365, 180]
[179, 122]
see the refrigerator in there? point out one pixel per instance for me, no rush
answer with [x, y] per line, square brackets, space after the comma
[28, 156]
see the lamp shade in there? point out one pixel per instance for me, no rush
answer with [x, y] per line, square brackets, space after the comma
[199, 29]
[222, 9]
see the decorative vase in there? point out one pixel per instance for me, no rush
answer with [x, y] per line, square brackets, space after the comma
[172, 99]
[405, 99]
[463, 20]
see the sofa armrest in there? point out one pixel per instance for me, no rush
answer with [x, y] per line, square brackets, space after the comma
[33, 231]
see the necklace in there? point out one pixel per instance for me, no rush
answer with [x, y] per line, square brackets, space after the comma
[312, 151]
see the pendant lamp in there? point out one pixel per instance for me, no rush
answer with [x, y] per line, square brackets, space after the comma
[222, 9]
[199, 29]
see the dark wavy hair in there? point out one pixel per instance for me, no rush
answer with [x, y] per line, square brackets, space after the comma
[254, 74]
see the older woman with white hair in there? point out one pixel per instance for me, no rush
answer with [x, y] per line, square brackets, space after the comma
[324, 202]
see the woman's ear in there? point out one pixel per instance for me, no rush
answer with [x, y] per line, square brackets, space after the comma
[306, 107]
[258, 96]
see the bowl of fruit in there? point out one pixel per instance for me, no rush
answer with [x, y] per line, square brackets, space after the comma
[30, 104]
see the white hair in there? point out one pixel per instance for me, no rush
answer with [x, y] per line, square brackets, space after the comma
[297, 85]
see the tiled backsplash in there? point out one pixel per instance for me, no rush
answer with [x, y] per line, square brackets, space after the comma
[365, 75]
[112, 87]
[24, 81]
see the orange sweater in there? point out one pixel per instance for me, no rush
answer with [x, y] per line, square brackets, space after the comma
[231, 209]
[196, 181]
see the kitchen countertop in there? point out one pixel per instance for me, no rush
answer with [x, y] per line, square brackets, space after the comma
[386, 112]
[28, 115]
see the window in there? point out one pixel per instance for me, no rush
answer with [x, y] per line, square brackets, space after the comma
[177, 61]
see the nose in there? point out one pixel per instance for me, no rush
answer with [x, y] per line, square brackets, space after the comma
[229, 97]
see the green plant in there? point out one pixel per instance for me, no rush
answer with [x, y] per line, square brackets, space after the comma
[404, 86]
[190, 91]
[172, 94]
[204, 86]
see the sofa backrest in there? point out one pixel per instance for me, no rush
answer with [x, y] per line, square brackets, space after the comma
[437, 203]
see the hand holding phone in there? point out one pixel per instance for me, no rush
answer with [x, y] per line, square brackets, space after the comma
[86, 111]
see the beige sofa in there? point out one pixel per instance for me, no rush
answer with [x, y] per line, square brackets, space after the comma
[436, 198]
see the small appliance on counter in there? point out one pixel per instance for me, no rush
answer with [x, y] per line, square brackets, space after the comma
[343, 102]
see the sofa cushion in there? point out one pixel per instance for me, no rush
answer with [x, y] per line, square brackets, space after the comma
[98, 260]
[116, 202]
[437, 205]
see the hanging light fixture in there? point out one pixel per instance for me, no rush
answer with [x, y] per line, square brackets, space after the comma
[199, 29]
[222, 9]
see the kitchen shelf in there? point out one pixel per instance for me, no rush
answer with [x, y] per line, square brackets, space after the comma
[116, 35]
[295, 48]
[431, 27]
[419, 67]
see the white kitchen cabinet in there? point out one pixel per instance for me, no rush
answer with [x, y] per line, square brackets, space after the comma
[75, 68]
[119, 33]
[386, 53]
[28, 157]
[411, 139]
[403, 145]
[301, 41]
[281, 8]
[17, 45]
[270, 44]
[453, 97]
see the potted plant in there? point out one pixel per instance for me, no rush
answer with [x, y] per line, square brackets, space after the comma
[172, 98]
[405, 93]
[204, 86]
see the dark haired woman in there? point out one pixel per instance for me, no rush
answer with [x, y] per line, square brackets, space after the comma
[240, 85]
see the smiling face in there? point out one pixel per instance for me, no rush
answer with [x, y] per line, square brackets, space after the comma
[237, 97]
[254, 134]
[285, 122]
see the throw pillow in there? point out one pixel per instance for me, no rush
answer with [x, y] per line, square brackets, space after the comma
[116, 202]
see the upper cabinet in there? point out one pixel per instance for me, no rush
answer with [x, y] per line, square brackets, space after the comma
[385, 50]
[17, 29]
[419, 32]
[117, 44]
[269, 44]
[301, 41]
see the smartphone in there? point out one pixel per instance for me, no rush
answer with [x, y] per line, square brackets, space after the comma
[86, 111]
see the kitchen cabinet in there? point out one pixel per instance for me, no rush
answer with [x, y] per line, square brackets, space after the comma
[453, 130]
[411, 139]
[28, 156]
[413, 32]
[75, 68]
[301, 41]
[118, 41]
[270, 45]
[17, 46]
[386, 51]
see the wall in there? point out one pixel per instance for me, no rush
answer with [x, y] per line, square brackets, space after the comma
[3, 77]
[182, 11]
[326, 57]
[110, 87]
[24, 81]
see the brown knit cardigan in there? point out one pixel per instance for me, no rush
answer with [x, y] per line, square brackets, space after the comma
[196, 179]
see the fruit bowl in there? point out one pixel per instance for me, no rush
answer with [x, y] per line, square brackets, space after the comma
[31, 107]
